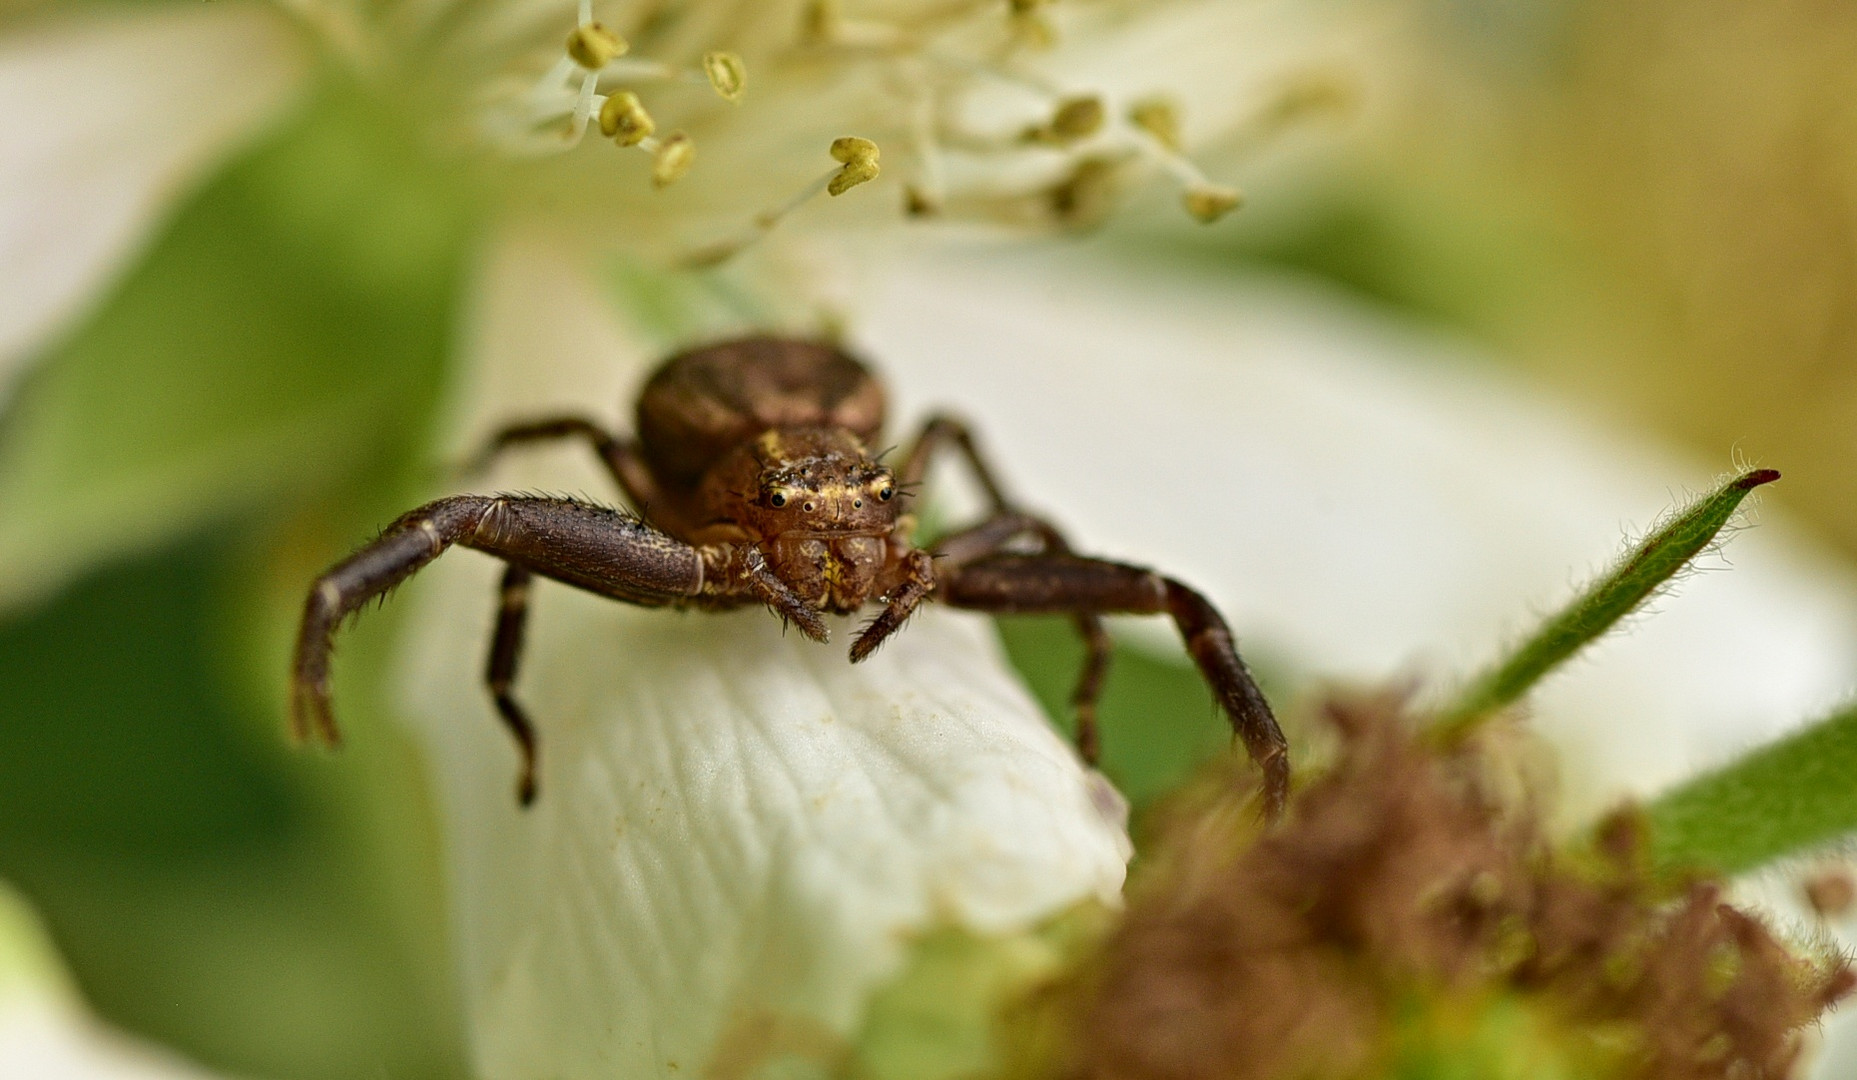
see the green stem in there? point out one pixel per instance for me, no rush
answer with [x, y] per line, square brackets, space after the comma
[1784, 798]
[1643, 571]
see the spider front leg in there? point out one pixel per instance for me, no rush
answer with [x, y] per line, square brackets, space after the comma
[1006, 527]
[590, 547]
[1070, 584]
[997, 534]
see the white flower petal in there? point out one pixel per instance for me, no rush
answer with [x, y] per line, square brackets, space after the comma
[106, 118]
[1362, 496]
[45, 1032]
[733, 824]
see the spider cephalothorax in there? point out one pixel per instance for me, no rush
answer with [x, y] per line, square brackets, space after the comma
[753, 483]
[819, 508]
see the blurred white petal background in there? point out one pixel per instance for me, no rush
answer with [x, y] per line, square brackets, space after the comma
[110, 116]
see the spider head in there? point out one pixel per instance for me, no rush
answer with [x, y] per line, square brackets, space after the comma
[818, 483]
[818, 504]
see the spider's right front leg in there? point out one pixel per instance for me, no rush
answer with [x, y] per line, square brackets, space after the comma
[1070, 584]
[996, 535]
[590, 547]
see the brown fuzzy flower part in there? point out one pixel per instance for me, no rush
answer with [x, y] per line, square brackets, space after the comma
[1403, 915]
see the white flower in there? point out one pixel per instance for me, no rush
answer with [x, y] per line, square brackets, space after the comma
[1358, 496]
[935, 791]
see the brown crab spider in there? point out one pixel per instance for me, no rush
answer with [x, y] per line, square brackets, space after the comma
[751, 484]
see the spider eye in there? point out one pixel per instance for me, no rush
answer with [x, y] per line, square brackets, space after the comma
[777, 499]
[809, 508]
[857, 504]
[886, 493]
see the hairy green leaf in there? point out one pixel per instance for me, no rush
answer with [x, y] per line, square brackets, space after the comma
[1784, 798]
[1645, 569]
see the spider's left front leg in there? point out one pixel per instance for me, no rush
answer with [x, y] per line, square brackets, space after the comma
[1074, 585]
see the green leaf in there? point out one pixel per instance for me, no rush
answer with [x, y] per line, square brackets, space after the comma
[1157, 717]
[1782, 799]
[211, 888]
[289, 330]
[1645, 569]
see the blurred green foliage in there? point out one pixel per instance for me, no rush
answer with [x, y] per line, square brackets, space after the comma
[255, 395]
[281, 335]
[201, 893]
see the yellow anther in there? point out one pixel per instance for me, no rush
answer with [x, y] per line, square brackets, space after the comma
[592, 46]
[918, 203]
[672, 159]
[859, 157]
[1210, 202]
[1077, 118]
[726, 73]
[1313, 93]
[1074, 120]
[1160, 118]
[1087, 194]
[853, 174]
[624, 120]
[852, 150]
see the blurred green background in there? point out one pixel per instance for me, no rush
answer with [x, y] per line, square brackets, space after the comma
[1651, 206]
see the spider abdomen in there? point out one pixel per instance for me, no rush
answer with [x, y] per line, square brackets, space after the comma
[706, 402]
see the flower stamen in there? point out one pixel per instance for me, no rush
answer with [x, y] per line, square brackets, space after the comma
[858, 163]
[624, 120]
[592, 46]
[670, 158]
[726, 74]
[1074, 120]
[1156, 125]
